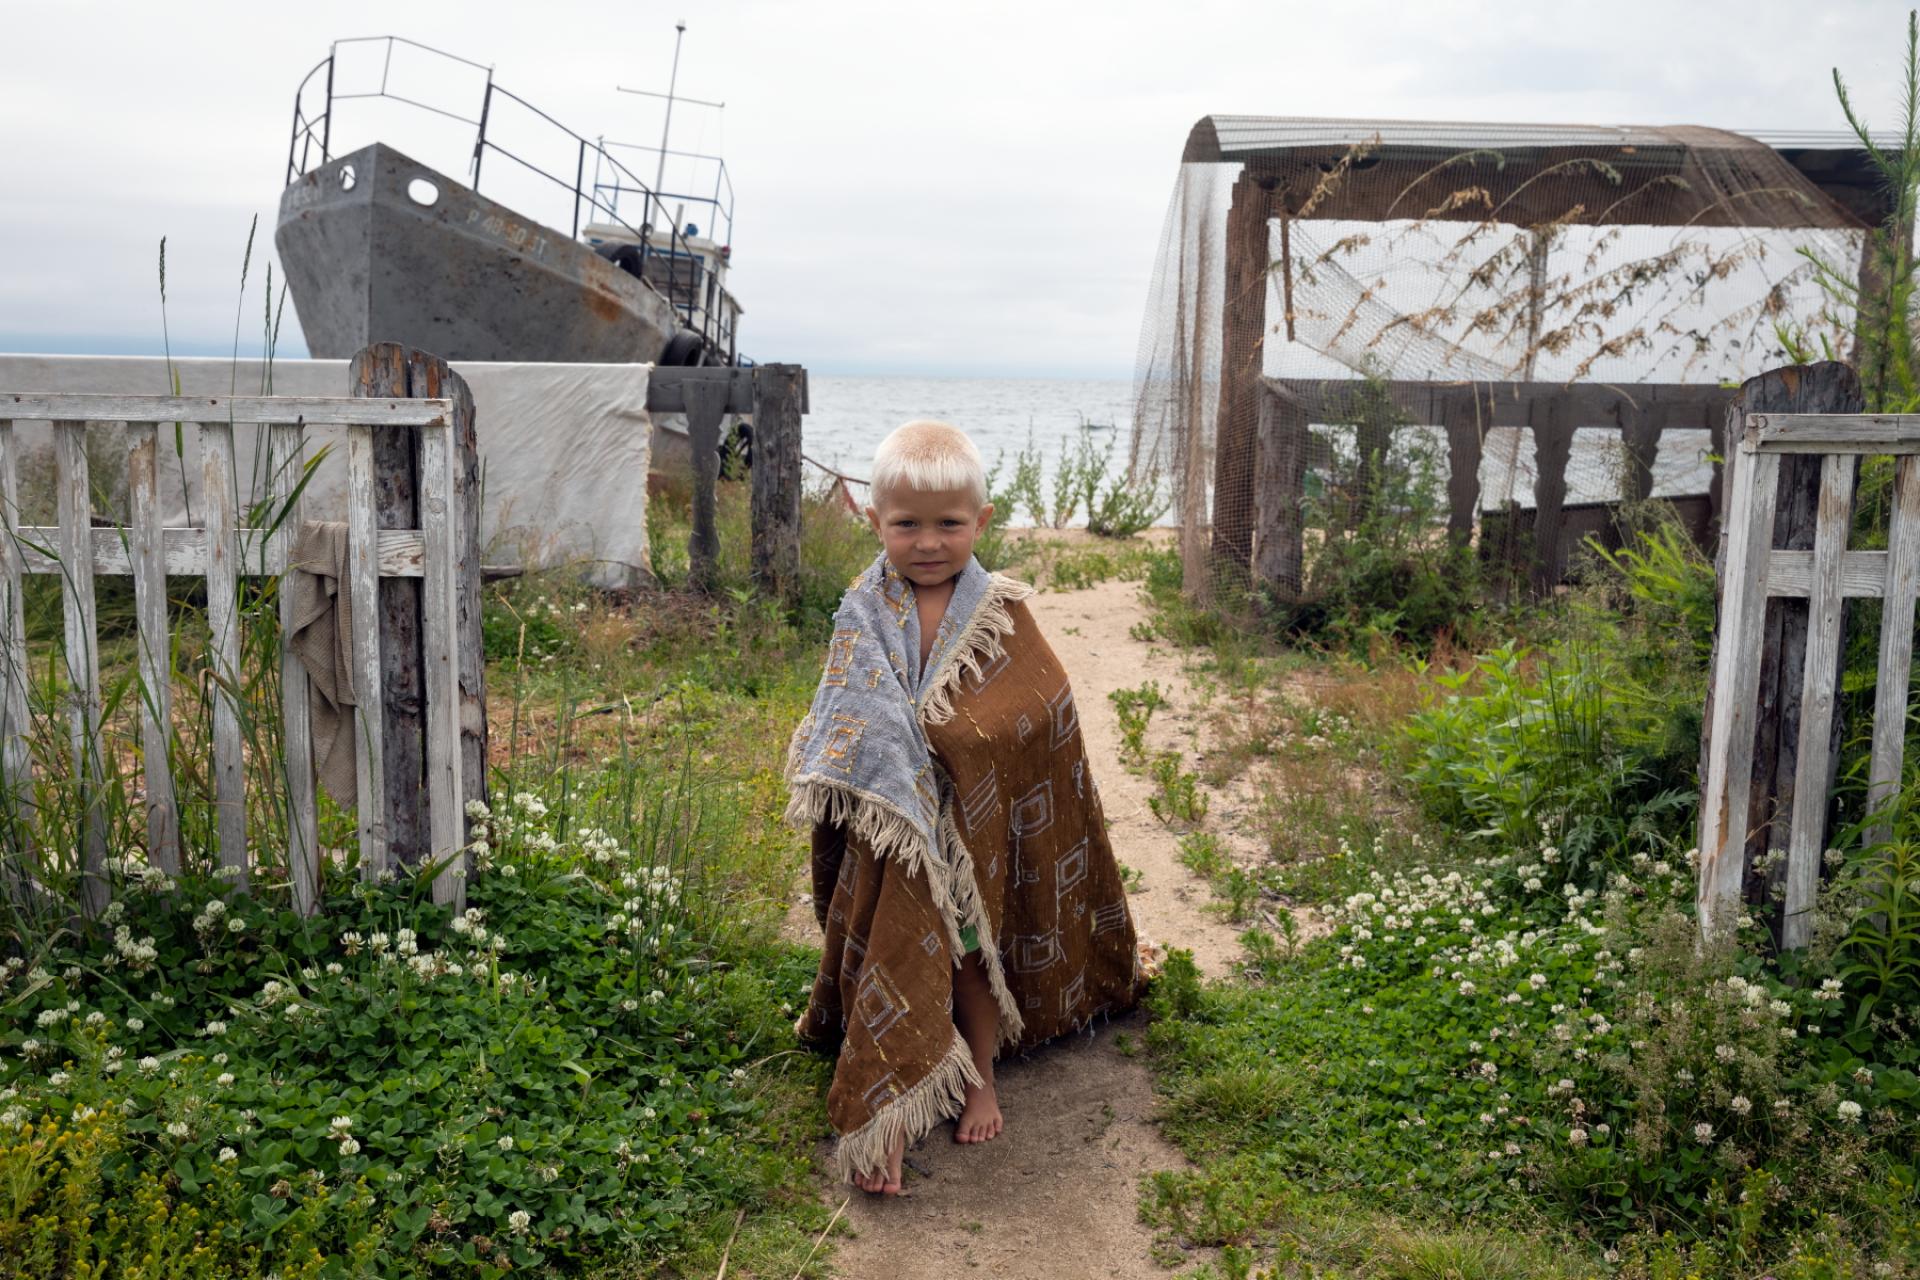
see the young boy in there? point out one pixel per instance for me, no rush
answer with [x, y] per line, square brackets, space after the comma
[961, 870]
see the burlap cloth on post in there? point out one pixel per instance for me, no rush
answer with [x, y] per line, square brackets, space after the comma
[321, 637]
[1019, 851]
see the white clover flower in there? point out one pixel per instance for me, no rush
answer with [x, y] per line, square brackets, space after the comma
[216, 1027]
[349, 1145]
[136, 1024]
[1862, 1077]
[341, 1124]
[519, 1220]
[1848, 1111]
[228, 1155]
[236, 925]
[224, 1079]
[95, 1018]
[1467, 988]
[1537, 980]
[1703, 1133]
[1740, 1105]
[477, 810]
[59, 1079]
[1577, 1137]
[506, 1142]
[149, 1064]
[178, 1129]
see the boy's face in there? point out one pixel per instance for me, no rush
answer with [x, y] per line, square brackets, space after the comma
[929, 533]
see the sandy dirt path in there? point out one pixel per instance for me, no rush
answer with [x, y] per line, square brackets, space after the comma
[1055, 1196]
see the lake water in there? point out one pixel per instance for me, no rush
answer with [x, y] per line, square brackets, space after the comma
[849, 416]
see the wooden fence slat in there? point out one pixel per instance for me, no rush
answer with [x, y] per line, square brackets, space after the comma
[1862, 574]
[16, 761]
[73, 491]
[441, 523]
[285, 454]
[146, 546]
[219, 495]
[364, 592]
[341, 410]
[1835, 432]
[1755, 480]
[1817, 700]
[1896, 641]
[186, 552]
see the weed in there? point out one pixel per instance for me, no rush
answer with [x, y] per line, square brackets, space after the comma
[1177, 795]
[1202, 853]
[1134, 708]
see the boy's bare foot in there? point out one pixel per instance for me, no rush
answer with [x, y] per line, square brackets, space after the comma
[980, 1118]
[887, 1181]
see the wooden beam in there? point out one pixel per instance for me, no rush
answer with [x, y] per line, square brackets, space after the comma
[1835, 433]
[667, 387]
[399, 553]
[1522, 404]
[33, 406]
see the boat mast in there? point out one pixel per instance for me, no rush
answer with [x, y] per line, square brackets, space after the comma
[673, 82]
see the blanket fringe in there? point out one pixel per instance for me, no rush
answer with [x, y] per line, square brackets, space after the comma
[912, 1114]
[975, 647]
[974, 909]
[889, 833]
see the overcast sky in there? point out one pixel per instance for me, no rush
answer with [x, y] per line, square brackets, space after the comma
[962, 188]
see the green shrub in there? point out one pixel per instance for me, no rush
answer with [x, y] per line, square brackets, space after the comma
[567, 1070]
[1565, 742]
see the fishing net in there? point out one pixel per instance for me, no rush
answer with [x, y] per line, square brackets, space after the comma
[1344, 315]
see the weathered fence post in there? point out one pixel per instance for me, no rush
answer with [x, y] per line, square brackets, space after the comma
[1243, 331]
[390, 369]
[1280, 441]
[706, 405]
[1742, 845]
[777, 405]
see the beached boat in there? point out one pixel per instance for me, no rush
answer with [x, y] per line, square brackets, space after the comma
[380, 246]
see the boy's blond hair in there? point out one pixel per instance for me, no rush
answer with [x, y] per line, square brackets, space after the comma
[928, 455]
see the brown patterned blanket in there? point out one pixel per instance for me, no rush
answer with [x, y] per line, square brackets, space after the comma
[1019, 852]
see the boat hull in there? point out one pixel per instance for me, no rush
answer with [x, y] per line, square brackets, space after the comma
[461, 276]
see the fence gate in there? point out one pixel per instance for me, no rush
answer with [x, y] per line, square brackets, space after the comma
[1824, 576]
[222, 552]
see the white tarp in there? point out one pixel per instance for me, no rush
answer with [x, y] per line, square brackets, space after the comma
[564, 450]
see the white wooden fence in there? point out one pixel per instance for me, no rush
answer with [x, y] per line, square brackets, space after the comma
[1824, 576]
[223, 551]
